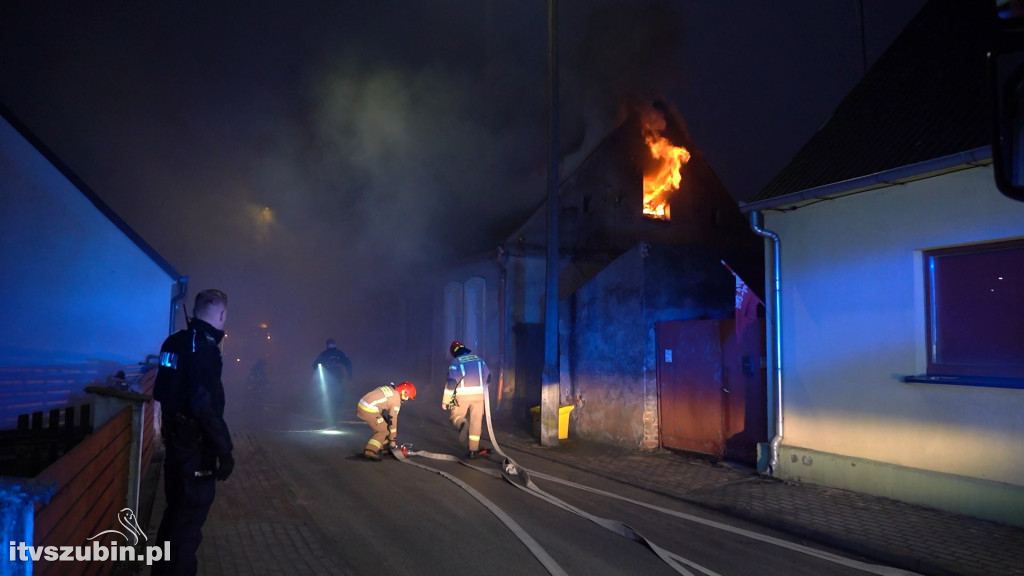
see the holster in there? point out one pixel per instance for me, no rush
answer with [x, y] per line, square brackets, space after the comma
[185, 431]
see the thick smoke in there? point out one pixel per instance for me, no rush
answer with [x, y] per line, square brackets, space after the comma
[314, 160]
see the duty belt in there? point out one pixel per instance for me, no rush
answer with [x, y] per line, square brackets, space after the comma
[185, 429]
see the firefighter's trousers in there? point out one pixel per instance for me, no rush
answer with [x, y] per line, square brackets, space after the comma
[470, 409]
[380, 429]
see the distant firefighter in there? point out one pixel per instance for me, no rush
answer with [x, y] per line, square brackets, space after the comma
[464, 393]
[379, 408]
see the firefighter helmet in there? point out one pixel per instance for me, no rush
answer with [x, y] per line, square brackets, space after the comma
[407, 390]
[458, 348]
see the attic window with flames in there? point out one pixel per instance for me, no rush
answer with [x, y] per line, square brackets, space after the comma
[661, 178]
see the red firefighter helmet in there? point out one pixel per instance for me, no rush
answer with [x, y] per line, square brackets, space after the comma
[406, 390]
[457, 348]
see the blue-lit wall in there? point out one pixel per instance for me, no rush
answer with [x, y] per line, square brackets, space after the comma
[75, 288]
[607, 352]
[612, 367]
[853, 325]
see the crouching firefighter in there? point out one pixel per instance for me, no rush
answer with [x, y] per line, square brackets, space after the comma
[464, 395]
[379, 408]
[196, 437]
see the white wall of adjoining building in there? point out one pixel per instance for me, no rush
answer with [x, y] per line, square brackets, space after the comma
[76, 289]
[853, 326]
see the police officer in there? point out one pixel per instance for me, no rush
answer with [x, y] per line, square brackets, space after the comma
[379, 409]
[464, 395]
[196, 438]
[332, 369]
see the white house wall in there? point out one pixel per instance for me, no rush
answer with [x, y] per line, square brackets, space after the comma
[76, 289]
[853, 326]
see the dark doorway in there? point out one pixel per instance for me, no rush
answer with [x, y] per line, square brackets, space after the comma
[529, 370]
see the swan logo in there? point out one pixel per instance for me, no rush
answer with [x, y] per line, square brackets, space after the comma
[22, 552]
[130, 522]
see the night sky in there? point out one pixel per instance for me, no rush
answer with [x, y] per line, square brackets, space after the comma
[297, 154]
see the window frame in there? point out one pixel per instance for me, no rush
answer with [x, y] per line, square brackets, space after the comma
[1003, 376]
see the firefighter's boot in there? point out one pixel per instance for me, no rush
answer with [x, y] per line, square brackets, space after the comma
[372, 455]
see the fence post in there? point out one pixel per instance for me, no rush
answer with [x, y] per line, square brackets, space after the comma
[18, 497]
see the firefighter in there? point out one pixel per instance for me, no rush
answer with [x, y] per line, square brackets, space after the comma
[379, 408]
[463, 396]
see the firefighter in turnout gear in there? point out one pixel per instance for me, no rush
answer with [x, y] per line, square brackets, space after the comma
[464, 392]
[379, 408]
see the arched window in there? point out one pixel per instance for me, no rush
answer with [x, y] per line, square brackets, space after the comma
[453, 313]
[465, 313]
[475, 306]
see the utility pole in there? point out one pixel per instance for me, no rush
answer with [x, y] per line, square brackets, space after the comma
[550, 388]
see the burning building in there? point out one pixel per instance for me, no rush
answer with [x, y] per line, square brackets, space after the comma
[644, 228]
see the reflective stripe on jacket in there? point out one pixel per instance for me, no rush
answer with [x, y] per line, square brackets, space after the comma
[383, 399]
[467, 374]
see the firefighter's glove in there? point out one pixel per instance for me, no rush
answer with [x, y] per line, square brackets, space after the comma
[386, 415]
[225, 465]
[448, 399]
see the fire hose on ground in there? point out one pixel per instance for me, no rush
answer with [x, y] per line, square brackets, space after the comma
[520, 478]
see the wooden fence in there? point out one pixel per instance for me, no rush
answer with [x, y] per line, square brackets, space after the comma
[96, 477]
[30, 448]
[92, 488]
[151, 442]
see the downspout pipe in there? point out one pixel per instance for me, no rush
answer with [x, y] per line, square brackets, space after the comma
[182, 285]
[776, 302]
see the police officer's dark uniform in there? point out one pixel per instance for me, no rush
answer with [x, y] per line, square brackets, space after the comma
[196, 438]
[336, 366]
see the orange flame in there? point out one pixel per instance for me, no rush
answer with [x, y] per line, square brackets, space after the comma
[664, 179]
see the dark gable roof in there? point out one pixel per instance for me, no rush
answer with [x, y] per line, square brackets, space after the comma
[926, 98]
[89, 194]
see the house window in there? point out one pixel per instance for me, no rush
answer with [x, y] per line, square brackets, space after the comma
[975, 313]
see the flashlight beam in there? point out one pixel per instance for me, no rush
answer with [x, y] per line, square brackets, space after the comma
[329, 419]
